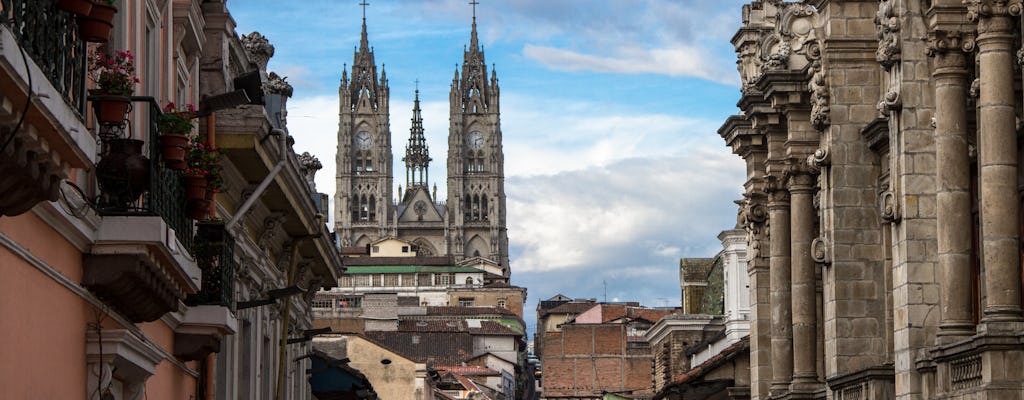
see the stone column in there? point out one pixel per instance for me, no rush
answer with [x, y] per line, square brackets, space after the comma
[779, 270]
[997, 159]
[953, 196]
[804, 312]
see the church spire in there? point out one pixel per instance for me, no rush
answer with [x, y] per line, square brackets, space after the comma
[364, 83]
[474, 43]
[417, 156]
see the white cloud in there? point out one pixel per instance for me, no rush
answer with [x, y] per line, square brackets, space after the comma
[677, 61]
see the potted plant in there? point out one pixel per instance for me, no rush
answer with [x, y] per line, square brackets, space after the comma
[113, 72]
[203, 170]
[175, 126]
[80, 8]
[97, 25]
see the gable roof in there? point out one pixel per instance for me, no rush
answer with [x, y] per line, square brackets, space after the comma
[407, 211]
[570, 308]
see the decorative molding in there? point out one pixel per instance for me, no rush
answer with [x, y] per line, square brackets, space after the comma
[819, 159]
[888, 207]
[992, 8]
[821, 251]
[820, 109]
[887, 24]
[258, 48]
[277, 84]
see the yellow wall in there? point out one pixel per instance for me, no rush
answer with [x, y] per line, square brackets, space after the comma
[391, 248]
[395, 381]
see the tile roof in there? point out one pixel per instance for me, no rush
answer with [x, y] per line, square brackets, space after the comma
[570, 308]
[485, 327]
[458, 310]
[710, 364]
[446, 348]
[467, 370]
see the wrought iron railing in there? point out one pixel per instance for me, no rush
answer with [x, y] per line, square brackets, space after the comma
[165, 195]
[50, 38]
[214, 252]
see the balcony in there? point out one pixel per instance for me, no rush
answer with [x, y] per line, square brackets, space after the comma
[214, 251]
[141, 263]
[42, 86]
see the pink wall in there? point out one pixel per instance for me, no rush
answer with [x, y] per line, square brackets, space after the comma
[591, 316]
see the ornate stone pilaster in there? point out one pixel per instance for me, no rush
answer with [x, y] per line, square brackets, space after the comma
[998, 159]
[780, 281]
[804, 304]
[953, 196]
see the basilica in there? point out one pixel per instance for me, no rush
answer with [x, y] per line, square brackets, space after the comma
[469, 226]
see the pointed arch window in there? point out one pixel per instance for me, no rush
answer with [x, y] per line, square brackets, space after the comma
[483, 207]
[364, 208]
[363, 161]
[475, 161]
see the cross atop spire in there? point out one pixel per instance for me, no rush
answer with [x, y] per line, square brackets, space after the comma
[364, 4]
[417, 87]
[473, 42]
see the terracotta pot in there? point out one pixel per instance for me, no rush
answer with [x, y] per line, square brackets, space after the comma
[198, 209]
[173, 147]
[77, 7]
[123, 172]
[96, 27]
[195, 186]
[111, 109]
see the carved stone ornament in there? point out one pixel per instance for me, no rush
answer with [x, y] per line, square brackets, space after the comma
[991, 8]
[778, 59]
[975, 89]
[887, 24]
[891, 101]
[821, 251]
[277, 84]
[888, 207]
[820, 158]
[258, 48]
[942, 40]
[820, 109]
[1020, 56]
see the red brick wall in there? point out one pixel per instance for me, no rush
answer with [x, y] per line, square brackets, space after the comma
[593, 361]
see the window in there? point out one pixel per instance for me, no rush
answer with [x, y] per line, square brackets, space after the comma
[362, 280]
[469, 280]
[322, 302]
[423, 280]
[444, 279]
[364, 208]
[376, 249]
[345, 281]
[391, 280]
[501, 302]
[350, 302]
[408, 280]
[363, 161]
[378, 280]
[465, 301]
[476, 207]
[405, 249]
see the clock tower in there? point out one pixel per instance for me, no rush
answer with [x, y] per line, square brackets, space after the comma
[476, 181]
[362, 204]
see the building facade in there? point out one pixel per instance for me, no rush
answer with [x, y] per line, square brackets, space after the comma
[882, 201]
[471, 222]
[111, 288]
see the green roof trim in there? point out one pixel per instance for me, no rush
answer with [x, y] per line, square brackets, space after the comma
[408, 269]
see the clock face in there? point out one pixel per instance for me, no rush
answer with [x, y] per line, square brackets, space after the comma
[363, 140]
[475, 140]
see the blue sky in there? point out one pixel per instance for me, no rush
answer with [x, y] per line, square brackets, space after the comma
[614, 169]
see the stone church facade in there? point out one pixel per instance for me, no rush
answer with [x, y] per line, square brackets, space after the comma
[470, 225]
[883, 197]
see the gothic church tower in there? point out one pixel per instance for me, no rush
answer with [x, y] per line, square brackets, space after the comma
[476, 164]
[364, 161]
